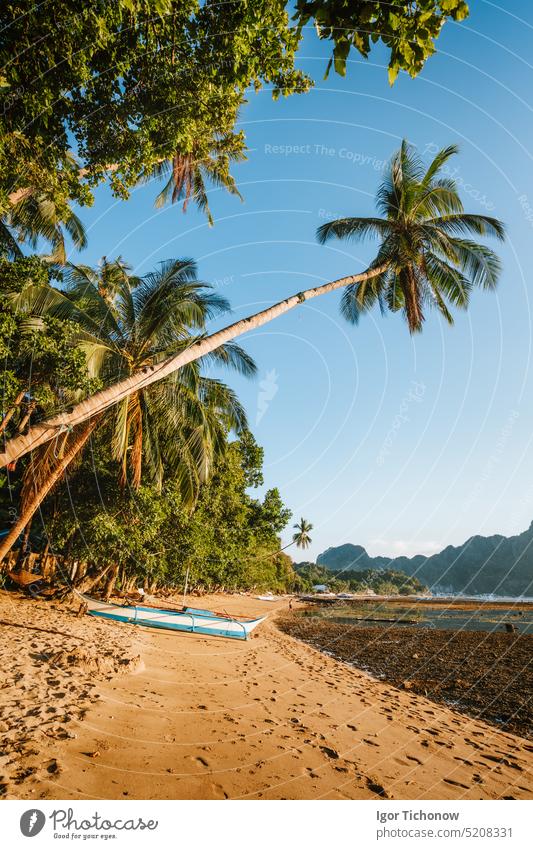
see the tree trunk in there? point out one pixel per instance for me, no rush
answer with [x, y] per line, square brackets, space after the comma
[12, 410]
[24, 547]
[46, 549]
[25, 419]
[43, 432]
[110, 585]
[88, 584]
[34, 503]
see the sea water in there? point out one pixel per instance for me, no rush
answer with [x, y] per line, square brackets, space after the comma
[441, 617]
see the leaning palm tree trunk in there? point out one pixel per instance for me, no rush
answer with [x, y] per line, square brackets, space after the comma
[41, 433]
[34, 503]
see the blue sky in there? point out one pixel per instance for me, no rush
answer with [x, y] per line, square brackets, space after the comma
[402, 445]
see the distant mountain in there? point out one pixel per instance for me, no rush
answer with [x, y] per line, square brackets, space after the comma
[496, 564]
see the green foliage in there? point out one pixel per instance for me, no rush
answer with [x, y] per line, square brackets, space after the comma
[38, 216]
[407, 28]
[154, 88]
[39, 355]
[127, 324]
[381, 581]
[226, 541]
[251, 459]
[423, 259]
[135, 83]
[301, 538]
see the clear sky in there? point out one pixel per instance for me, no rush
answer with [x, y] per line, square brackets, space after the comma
[402, 445]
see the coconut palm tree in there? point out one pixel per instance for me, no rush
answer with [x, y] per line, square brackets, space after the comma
[177, 426]
[422, 260]
[428, 262]
[301, 537]
[35, 216]
[186, 175]
[130, 324]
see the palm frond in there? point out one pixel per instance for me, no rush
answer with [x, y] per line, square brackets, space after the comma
[421, 229]
[9, 246]
[347, 228]
[233, 356]
[478, 262]
[440, 159]
[448, 280]
[439, 198]
[463, 223]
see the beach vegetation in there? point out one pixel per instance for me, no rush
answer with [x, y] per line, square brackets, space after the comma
[151, 537]
[378, 581]
[121, 325]
[129, 91]
[429, 257]
[407, 29]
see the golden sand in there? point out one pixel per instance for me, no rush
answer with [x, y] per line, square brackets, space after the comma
[94, 709]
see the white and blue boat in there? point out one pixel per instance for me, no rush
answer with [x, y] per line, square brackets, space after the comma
[190, 619]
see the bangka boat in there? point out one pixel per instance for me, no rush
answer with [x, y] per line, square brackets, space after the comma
[191, 619]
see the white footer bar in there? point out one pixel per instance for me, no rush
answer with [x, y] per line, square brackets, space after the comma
[268, 825]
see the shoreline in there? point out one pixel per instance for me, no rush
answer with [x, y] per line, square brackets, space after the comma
[482, 674]
[455, 602]
[205, 718]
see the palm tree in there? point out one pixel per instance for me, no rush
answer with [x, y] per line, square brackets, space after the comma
[186, 175]
[130, 324]
[126, 324]
[35, 216]
[301, 537]
[427, 260]
[422, 261]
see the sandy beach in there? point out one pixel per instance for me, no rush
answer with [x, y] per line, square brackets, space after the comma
[94, 709]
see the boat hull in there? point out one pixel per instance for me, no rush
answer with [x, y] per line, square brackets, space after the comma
[189, 621]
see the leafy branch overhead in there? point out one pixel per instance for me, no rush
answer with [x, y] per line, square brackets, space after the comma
[407, 28]
[133, 84]
[126, 91]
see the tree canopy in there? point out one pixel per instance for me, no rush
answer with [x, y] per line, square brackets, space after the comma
[152, 535]
[128, 84]
[41, 364]
[407, 28]
[130, 89]
[426, 260]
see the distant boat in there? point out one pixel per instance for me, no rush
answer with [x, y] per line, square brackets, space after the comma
[190, 619]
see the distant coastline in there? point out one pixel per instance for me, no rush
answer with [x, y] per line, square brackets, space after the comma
[496, 566]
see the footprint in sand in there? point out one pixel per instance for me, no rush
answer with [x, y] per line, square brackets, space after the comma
[331, 753]
[456, 783]
[377, 788]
